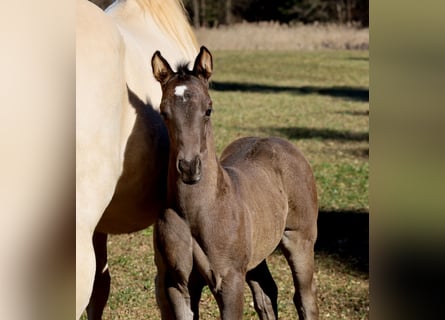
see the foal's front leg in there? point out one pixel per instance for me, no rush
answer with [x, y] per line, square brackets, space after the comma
[174, 260]
[230, 297]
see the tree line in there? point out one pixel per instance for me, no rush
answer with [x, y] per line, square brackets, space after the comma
[211, 13]
[205, 13]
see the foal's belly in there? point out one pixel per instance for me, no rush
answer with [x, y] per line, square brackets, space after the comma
[265, 204]
[255, 168]
[268, 227]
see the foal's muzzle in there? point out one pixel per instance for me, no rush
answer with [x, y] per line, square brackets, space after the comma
[190, 170]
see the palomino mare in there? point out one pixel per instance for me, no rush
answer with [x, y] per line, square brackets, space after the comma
[121, 145]
[224, 218]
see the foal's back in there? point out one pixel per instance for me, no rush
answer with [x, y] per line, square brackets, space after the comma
[277, 163]
[275, 181]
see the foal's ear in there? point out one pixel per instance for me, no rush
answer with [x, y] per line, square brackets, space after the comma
[161, 69]
[203, 67]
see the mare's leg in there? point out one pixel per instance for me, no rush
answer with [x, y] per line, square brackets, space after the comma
[101, 288]
[174, 260]
[264, 291]
[230, 297]
[85, 268]
[298, 248]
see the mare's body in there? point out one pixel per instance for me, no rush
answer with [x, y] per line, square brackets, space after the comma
[224, 218]
[121, 142]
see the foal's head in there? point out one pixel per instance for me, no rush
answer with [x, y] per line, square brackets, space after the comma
[186, 108]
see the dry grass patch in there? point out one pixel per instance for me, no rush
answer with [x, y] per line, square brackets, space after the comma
[276, 36]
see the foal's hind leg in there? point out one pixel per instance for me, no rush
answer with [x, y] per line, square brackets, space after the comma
[298, 249]
[264, 291]
[101, 288]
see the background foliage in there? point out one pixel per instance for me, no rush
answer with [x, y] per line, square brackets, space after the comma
[215, 12]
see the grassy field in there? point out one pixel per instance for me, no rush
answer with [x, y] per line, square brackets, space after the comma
[319, 100]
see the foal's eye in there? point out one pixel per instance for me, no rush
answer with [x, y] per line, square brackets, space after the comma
[208, 112]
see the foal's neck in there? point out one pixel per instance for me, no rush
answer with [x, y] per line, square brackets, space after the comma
[192, 199]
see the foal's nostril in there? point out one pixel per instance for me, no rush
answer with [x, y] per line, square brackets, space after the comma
[183, 165]
[197, 164]
[192, 166]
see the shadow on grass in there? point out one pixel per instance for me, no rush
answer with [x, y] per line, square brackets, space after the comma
[359, 153]
[313, 133]
[345, 235]
[350, 93]
[359, 58]
[355, 113]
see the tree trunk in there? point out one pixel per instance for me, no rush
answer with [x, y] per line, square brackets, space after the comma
[195, 5]
[349, 11]
[203, 13]
[228, 12]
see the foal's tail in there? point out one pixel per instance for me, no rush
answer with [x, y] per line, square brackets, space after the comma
[201, 261]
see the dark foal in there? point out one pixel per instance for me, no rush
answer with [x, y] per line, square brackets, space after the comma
[224, 218]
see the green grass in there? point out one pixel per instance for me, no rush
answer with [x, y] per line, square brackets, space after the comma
[342, 291]
[318, 100]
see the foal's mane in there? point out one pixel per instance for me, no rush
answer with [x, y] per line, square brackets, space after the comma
[183, 70]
